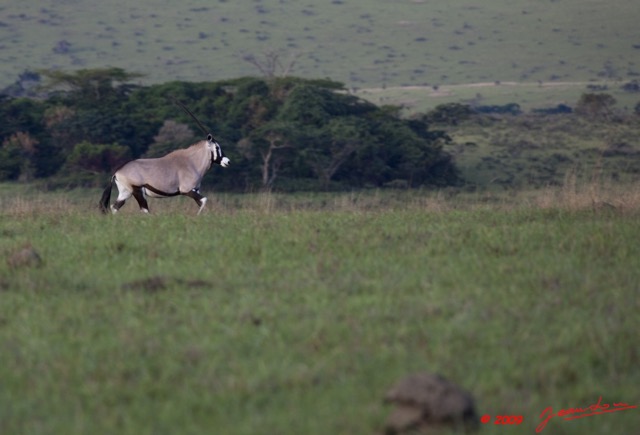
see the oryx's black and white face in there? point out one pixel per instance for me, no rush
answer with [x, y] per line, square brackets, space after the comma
[218, 156]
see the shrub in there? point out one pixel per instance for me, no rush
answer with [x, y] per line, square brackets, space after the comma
[632, 86]
[595, 106]
[449, 114]
[508, 109]
[559, 109]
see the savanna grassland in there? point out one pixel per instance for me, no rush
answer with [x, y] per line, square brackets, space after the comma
[533, 150]
[528, 95]
[371, 44]
[293, 314]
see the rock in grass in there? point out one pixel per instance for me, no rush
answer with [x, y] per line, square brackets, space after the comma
[24, 257]
[150, 285]
[426, 401]
[158, 283]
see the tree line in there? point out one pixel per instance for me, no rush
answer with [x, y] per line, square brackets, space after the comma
[280, 133]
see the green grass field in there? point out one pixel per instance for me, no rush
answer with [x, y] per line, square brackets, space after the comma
[294, 314]
[507, 152]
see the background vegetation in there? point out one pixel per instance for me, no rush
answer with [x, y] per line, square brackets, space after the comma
[544, 147]
[295, 134]
[279, 132]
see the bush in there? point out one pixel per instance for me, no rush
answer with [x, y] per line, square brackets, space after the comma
[632, 86]
[10, 162]
[88, 164]
[449, 114]
[558, 110]
[595, 106]
[506, 109]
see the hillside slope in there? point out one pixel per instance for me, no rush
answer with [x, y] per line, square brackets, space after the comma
[370, 43]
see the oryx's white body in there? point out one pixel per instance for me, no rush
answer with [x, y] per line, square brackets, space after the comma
[178, 173]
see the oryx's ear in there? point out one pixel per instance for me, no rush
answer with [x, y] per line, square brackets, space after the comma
[209, 138]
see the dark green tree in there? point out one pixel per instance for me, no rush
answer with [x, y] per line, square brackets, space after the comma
[270, 147]
[90, 86]
[279, 132]
[89, 164]
[25, 145]
[172, 136]
[327, 148]
[23, 116]
[99, 158]
[11, 160]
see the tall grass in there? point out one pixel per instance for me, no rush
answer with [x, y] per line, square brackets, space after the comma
[293, 314]
[574, 194]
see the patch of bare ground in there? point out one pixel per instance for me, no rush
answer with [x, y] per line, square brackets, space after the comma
[448, 89]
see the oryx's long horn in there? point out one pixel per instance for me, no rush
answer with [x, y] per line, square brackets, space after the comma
[204, 130]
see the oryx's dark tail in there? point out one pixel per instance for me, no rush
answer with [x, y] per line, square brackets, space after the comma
[106, 197]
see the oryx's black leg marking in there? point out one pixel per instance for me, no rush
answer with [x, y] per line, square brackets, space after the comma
[199, 199]
[195, 194]
[139, 196]
[117, 205]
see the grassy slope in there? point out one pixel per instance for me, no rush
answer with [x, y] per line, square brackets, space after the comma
[364, 44]
[529, 95]
[293, 315]
[536, 151]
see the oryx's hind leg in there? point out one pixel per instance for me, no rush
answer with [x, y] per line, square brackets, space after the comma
[138, 194]
[124, 193]
[199, 199]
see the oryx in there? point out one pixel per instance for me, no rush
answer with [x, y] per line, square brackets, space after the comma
[178, 173]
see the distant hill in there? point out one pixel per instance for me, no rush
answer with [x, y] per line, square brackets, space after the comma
[362, 43]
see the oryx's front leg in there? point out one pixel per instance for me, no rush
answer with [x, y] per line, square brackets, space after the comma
[199, 199]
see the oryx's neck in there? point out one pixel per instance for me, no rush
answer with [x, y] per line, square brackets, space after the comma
[200, 154]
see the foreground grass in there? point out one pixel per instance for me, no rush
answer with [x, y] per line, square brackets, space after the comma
[277, 315]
